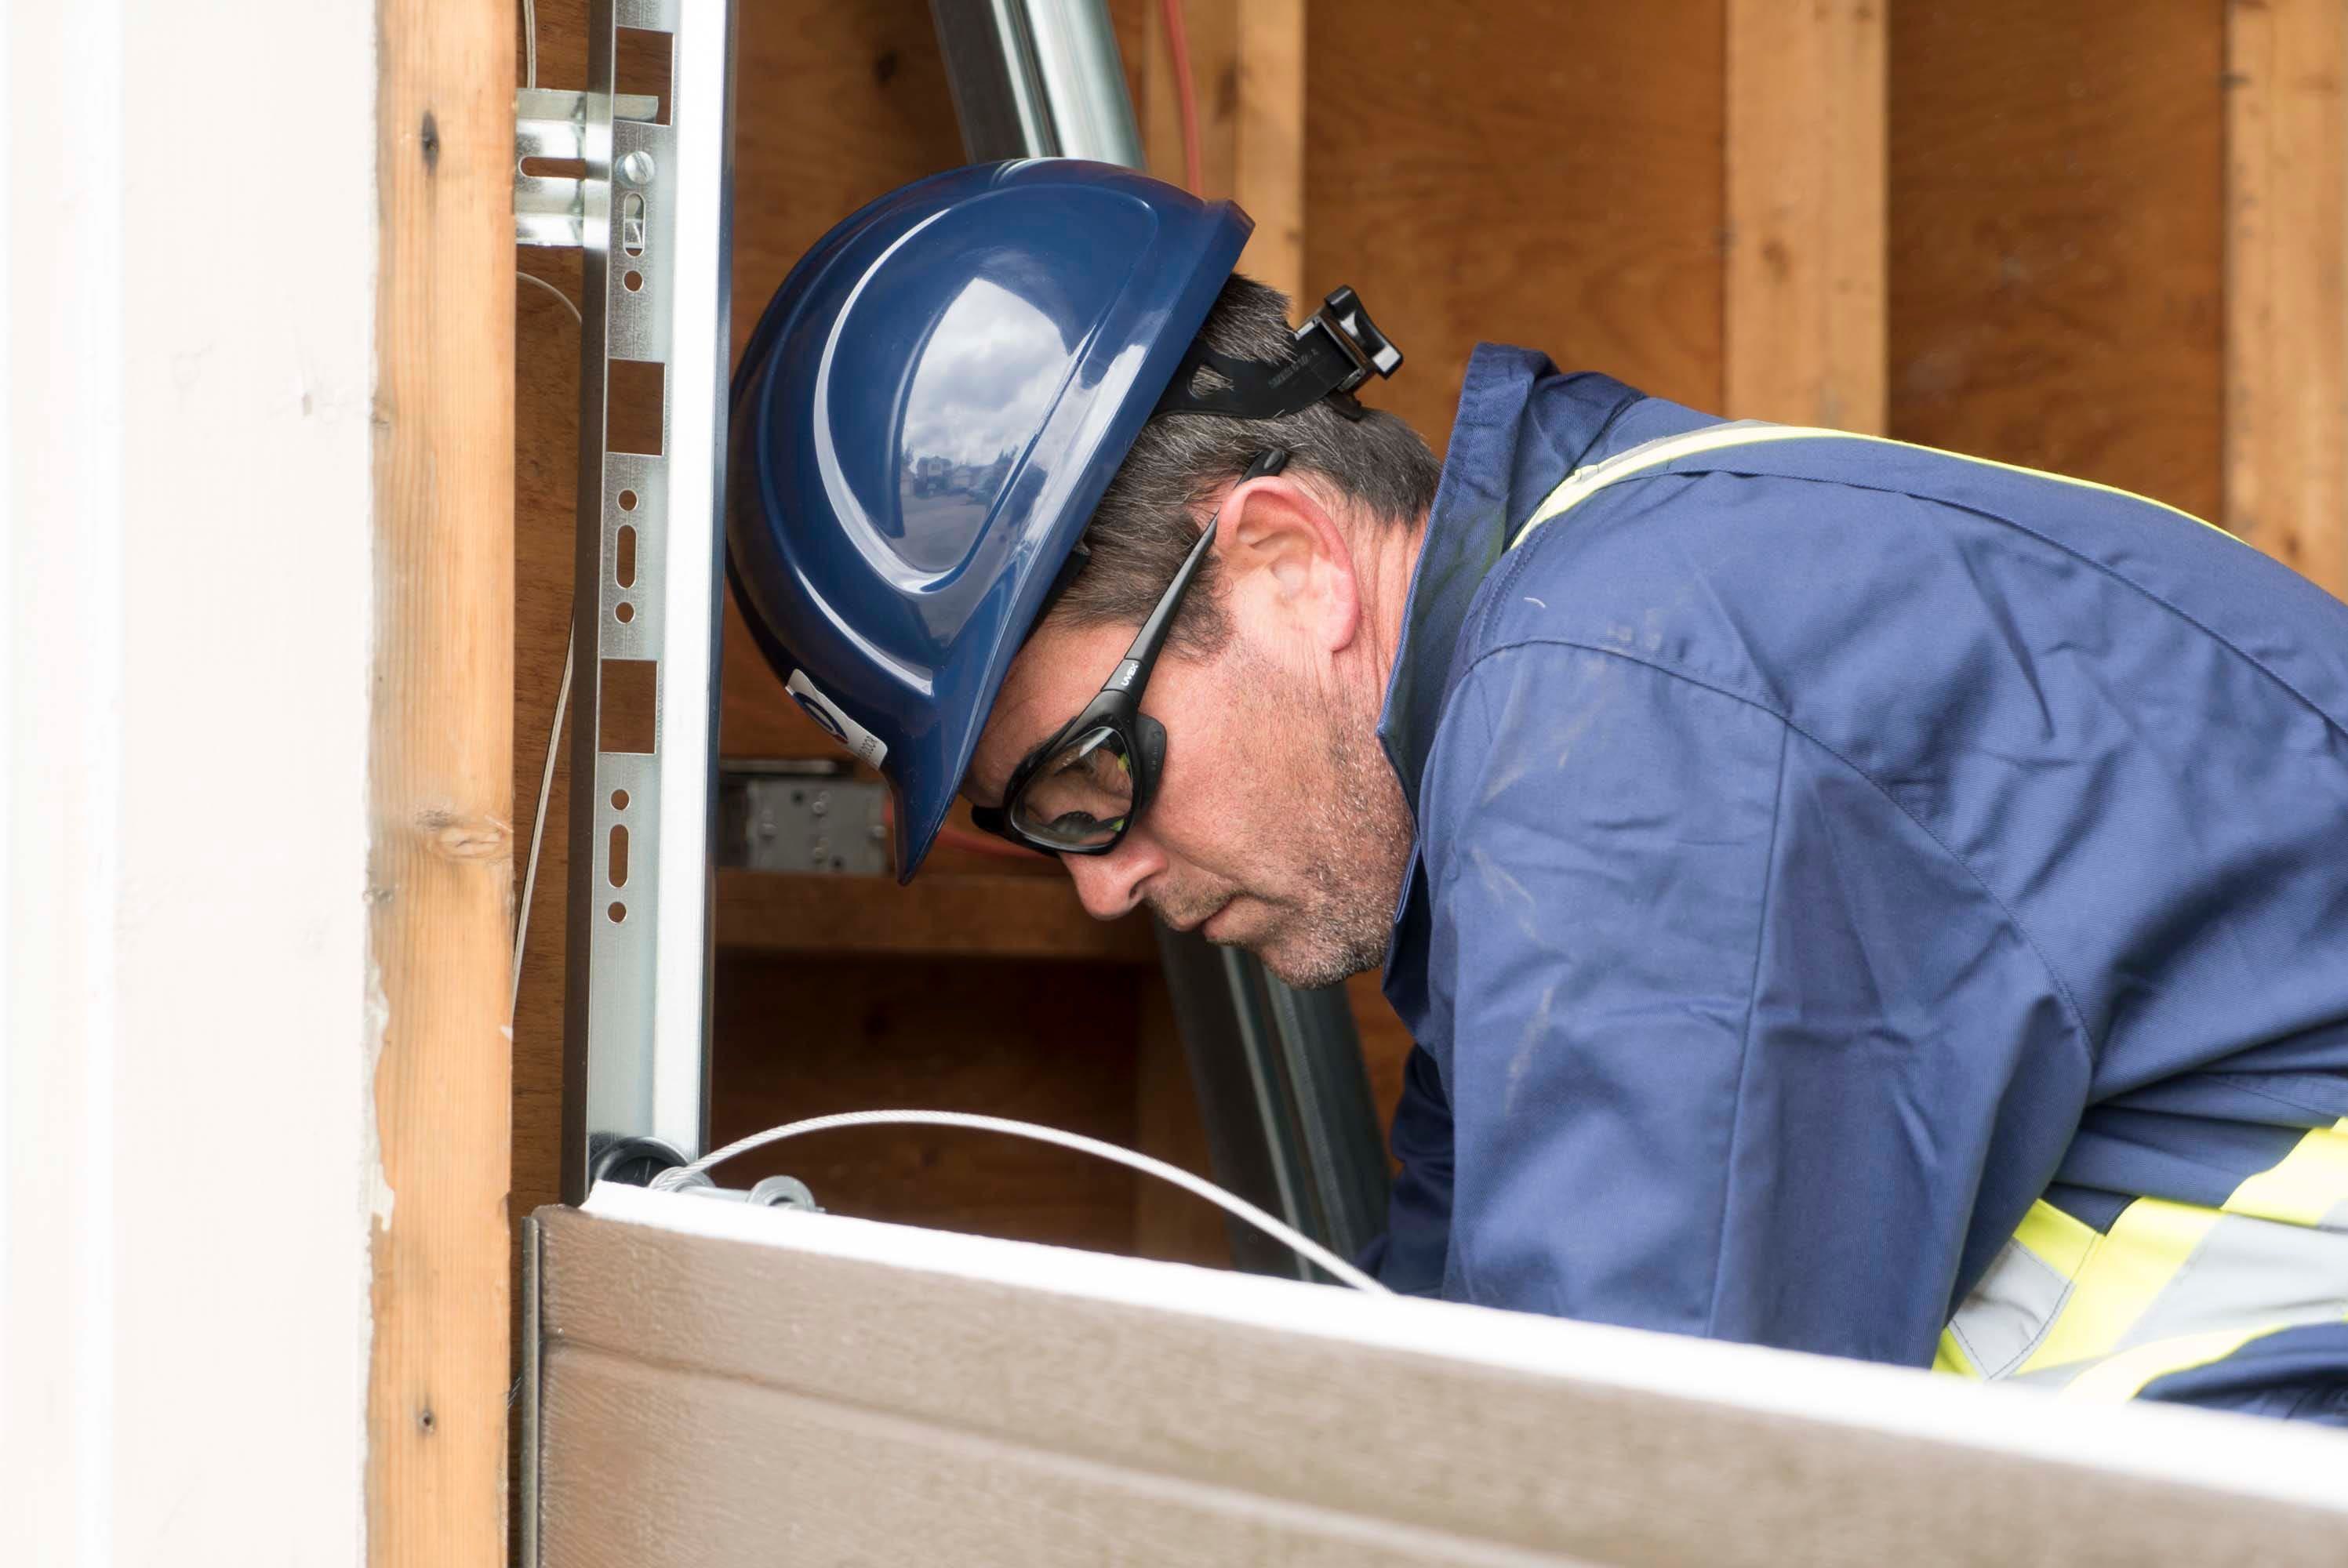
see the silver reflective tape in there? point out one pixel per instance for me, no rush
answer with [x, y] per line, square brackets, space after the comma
[2246, 1274]
[2010, 1310]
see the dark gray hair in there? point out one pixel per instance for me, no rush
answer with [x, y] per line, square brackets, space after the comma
[1146, 522]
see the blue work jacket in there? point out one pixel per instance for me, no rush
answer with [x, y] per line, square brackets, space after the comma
[1855, 882]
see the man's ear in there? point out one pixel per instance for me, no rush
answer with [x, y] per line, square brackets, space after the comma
[1286, 564]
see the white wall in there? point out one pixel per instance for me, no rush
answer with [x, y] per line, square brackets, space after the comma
[187, 191]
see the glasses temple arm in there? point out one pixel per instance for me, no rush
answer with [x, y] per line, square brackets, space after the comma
[1142, 656]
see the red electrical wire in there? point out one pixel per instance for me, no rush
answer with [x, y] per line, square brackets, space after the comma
[1178, 49]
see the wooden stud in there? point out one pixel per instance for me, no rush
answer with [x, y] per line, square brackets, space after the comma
[1269, 177]
[1803, 311]
[2057, 229]
[441, 866]
[2286, 355]
[1212, 27]
[1247, 72]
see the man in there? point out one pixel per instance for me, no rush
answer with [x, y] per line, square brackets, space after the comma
[1846, 897]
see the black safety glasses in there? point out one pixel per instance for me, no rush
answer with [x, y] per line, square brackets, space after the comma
[1080, 790]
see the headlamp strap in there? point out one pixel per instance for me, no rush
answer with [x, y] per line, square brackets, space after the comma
[1331, 354]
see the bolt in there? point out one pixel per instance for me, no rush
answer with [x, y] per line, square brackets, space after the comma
[876, 833]
[636, 168]
[765, 828]
[821, 804]
[821, 852]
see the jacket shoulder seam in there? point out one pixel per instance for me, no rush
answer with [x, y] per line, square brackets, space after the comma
[1745, 1033]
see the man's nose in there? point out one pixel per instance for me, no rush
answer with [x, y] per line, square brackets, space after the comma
[1110, 884]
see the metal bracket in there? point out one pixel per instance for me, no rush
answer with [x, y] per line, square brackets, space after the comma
[794, 815]
[649, 209]
[550, 124]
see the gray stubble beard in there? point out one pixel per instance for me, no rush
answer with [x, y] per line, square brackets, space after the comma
[1361, 831]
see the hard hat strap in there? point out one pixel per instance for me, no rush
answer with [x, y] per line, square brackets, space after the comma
[1335, 351]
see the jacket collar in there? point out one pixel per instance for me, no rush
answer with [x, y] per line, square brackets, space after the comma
[1521, 427]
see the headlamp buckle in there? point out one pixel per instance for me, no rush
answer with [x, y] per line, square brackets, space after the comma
[1336, 349]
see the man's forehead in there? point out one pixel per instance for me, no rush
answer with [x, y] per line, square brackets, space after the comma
[1002, 743]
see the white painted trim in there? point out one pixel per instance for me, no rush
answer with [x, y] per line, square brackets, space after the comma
[2263, 1458]
[186, 377]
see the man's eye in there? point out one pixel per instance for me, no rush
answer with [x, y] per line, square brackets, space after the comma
[1083, 822]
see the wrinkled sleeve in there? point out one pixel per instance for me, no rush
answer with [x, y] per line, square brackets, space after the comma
[1730, 1043]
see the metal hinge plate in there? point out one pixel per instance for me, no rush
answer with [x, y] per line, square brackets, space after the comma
[551, 126]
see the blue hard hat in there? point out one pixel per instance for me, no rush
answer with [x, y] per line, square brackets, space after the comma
[922, 423]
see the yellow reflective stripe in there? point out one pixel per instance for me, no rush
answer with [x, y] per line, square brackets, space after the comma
[2060, 1242]
[2124, 1376]
[2304, 1187]
[2152, 1239]
[1583, 483]
[1950, 1358]
[2119, 1279]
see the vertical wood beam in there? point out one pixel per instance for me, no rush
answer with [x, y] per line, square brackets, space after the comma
[2286, 355]
[441, 862]
[1269, 179]
[1247, 69]
[1804, 310]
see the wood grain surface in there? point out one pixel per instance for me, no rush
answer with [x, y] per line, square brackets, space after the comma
[973, 914]
[1804, 313]
[2056, 224]
[1543, 174]
[1247, 67]
[2286, 442]
[440, 801]
[1038, 1041]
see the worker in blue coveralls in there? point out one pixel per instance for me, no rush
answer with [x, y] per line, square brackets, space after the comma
[1845, 896]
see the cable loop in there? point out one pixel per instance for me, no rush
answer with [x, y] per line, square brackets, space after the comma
[1304, 1245]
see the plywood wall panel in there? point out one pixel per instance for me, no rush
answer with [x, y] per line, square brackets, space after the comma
[2286, 314]
[2056, 221]
[1544, 174]
[1048, 1042]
